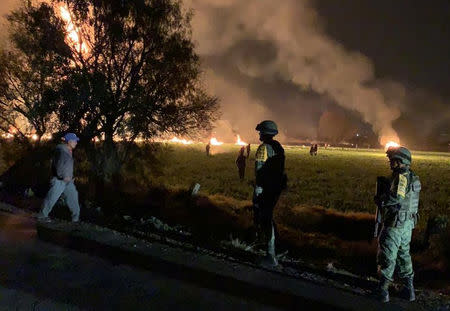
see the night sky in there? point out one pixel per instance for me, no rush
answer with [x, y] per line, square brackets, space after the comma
[408, 41]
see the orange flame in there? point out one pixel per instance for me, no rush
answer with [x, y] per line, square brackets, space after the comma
[47, 137]
[240, 142]
[73, 34]
[181, 141]
[213, 141]
[391, 144]
[7, 135]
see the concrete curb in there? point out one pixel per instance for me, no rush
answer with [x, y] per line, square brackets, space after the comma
[268, 287]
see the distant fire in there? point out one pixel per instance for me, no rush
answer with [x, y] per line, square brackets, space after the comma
[181, 141]
[7, 135]
[240, 142]
[391, 144]
[213, 141]
[73, 34]
[47, 137]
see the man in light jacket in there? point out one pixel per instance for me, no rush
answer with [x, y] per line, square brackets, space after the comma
[62, 180]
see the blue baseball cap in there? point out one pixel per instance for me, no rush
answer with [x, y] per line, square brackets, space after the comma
[70, 136]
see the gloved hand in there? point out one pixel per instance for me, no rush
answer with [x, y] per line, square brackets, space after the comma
[258, 190]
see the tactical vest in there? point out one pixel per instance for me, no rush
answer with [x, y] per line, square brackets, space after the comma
[410, 205]
[272, 174]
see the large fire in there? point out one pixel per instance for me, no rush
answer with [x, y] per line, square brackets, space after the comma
[73, 34]
[214, 142]
[391, 144]
[181, 141]
[240, 142]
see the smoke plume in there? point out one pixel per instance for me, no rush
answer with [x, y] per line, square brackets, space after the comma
[273, 60]
[265, 43]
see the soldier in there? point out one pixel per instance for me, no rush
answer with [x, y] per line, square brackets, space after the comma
[399, 206]
[248, 151]
[208, 149]
[240, 162]
[62, 180]
[270, 181]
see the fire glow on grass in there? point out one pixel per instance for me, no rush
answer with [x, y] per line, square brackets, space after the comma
[391, 144]
[240, 142]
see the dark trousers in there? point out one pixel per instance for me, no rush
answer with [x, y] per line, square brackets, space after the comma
[241, 172]
[263, 214]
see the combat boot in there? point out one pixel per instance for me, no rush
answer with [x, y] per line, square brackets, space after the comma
[270, 260]
[408, 289]
[383, 290]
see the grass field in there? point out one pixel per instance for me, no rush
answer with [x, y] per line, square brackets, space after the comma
[341, 180]
[325, 216]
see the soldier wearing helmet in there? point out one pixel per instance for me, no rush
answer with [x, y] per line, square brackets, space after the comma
[270, 181]
[399, 206]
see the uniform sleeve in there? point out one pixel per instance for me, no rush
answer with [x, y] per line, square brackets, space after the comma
[399, 186]
[260, 157]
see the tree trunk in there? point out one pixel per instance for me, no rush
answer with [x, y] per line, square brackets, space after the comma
[110, 162]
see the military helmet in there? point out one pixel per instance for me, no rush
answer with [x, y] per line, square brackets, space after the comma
[400, 153]
[267, 127]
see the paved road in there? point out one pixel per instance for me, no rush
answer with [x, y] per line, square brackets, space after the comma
[35, 275]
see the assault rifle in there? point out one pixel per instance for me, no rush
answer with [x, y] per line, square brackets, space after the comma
[381, 194]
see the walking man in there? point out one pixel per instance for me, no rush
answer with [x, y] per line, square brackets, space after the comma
[62, 181]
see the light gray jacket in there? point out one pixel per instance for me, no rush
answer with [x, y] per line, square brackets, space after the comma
[62, 162]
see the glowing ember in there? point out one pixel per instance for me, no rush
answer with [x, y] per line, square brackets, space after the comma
[240, 142]
[34, 137]
[181, 141]
[213, 141]
[391, 144]
[7, 135]
[47, 137]
[73, 35]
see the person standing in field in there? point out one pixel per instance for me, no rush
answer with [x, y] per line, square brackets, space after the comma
[248, 151]
[208, 149]
[270, 181]
[399, 207]
[62, 181]
[241, 162]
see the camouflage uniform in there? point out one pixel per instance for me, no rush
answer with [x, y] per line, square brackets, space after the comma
[397, 227]
[399, 216]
